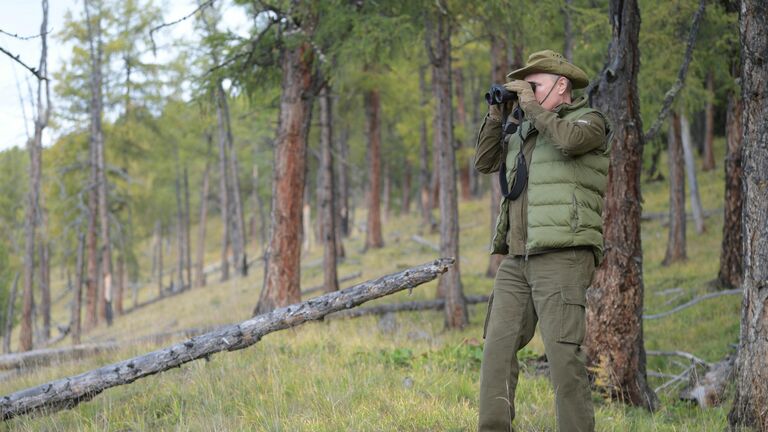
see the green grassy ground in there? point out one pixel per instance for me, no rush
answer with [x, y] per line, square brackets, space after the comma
[350, 375]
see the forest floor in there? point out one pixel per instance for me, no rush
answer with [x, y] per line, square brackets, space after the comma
[407, 375]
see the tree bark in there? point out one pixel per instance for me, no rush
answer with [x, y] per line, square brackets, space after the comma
[690, 168]
[343, 171]
[224, 206]
[238, 221]
[327, 202]
[567, 31]
[283, 272]
[9, 316]
[179, 225]
[424, 178]
[200, 264]
[614, 342]
[752, 359]
[119, 286]
[731, 255]
[709, 128]
[187, 229]
[373, 237]
[405, 204]
[77, 291]
[68, 392]
[676, 250]
[159, 237]
[461, 117]
[449, 284]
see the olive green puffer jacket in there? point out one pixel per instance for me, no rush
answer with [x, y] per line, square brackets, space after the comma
[561, 206]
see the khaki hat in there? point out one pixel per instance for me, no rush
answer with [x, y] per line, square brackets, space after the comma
[548, 61]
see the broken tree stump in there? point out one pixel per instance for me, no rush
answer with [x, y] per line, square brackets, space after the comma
[68, 392]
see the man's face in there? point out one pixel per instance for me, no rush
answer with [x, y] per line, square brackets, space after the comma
[543, 83]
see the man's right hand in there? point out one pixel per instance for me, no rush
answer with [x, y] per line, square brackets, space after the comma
[495, 111]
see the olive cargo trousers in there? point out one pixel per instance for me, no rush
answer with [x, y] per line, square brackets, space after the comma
[549, 288]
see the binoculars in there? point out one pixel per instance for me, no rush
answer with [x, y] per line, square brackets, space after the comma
[499, 95]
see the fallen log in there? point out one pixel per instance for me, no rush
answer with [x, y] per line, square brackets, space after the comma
[404, 307]
[46, 356]
[317, 288]
[708, 390]
[68, 392]
[693, 302]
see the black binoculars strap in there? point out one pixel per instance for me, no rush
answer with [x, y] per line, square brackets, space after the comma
[521, 173]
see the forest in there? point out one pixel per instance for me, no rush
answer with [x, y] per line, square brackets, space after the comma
[181, 174]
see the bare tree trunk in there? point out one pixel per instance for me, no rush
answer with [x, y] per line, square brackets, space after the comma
[405, 204]
[306, 222]
[690, 168]
[159, 237]
[568, 31]
[200, 265]
[327, 203]
[709, 128]
[676, 242]
[614, 342]
[751, 399]
[343, 171]
[449, 284]
[77, 295]
[283, 272]
[386, 194]
[424, 178]
[187, 228]
[223, 194]
[461, 117]
[45, 269]
[179, 226]
[9, 316]
[373, 237]
[236, 214]
[499, 64]
[731, 255]
[676, 250]
[119, 286]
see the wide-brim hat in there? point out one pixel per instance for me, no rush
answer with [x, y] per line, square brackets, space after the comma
[548, 61]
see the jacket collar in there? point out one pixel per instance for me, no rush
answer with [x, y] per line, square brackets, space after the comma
[563, 109]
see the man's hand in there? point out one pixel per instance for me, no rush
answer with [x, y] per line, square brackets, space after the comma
[494, 112]
[528, 101]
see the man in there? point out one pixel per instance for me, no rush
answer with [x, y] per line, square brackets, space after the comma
[554, 172]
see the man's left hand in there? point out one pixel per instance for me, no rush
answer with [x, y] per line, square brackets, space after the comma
[528, 101]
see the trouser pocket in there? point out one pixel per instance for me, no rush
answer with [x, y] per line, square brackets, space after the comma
[488, 315]
[573, 314]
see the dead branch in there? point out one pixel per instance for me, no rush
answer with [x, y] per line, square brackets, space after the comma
[683, 354]
[678, 85]
[172, 23]
[317, 288]
[424, 242]
[16, 36]
[676, 379]
[404, 307]
[708, 391]
[68, 392]
[693, 302]
[16, 58]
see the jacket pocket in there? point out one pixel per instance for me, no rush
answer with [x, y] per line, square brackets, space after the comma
[573, 314]
[488, 315]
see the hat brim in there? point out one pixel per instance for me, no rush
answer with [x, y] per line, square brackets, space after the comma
[577, 77]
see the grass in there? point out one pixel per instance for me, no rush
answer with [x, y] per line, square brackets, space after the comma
[351, 375]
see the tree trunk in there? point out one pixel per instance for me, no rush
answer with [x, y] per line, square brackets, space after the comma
[45, 269]
[120, 285]
[405, 204]
[499, 65]
[306, 222]
[187, 228]
[159, 237]
[327, 203]
[424, 178]
[224, 206]
[200, 264]
[676, 242]
[77, 295]
[373, 237]
[343, 170]
[709, 128]
[68, 392]
[30, 224]
[283, 272]
[731, 255]
[259, 203]
[568, 31]
[614, 342]
[386, 194]
[751, 399]
[179, 226]
[449, 284]
[8, 329]
[461, 117]
[237, 230]
[690, 168]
